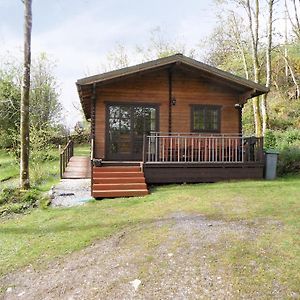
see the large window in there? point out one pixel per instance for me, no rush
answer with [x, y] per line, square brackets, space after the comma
[206, 118]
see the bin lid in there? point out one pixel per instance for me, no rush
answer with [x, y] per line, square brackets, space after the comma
[271, 151]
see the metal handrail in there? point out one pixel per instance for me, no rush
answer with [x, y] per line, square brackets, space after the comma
[65, 156]
[203, 149]
[161, 133]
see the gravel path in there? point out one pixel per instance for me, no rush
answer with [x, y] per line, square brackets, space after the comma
[71, 192]
[172, 258]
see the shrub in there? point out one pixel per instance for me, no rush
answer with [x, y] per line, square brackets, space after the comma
[288, 144]
[289, 160]
[270, 141]
[13, 200]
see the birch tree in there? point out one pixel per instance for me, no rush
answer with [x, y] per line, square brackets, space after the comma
[253, 13]
[294, 16]
[24, 123]
[268, 64]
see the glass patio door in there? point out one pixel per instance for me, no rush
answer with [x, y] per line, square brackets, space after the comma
[126, 126]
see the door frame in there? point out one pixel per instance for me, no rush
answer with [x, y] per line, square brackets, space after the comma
[130, 104]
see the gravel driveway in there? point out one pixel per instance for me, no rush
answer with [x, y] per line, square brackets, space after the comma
[71, 192]
[172, 258]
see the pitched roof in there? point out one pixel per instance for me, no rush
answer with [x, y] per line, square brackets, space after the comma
[87, 82]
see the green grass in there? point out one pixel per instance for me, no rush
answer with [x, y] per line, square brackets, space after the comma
[82, 150]
[8, 166]
[271, 207]
[43, 174]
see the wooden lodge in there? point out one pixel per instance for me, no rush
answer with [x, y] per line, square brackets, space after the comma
[170, 120]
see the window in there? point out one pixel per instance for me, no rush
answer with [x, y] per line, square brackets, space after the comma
[206, 118]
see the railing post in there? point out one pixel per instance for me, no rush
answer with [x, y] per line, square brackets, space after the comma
[144, 148]
[242, 149]
[60, 161]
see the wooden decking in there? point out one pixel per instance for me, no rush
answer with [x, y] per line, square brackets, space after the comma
[118, 181]
[78, 167]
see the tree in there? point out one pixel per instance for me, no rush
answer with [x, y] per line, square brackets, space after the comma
[294, 18]
[24, 123]
[252, 45]
[158, 46]
[45, 108]
[268, 65]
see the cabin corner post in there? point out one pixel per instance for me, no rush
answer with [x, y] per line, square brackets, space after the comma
[93, 114]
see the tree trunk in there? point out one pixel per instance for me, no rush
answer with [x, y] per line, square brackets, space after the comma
[297, 86]
[24, 124]
[264, 109]
[253, 16]
[239, 44]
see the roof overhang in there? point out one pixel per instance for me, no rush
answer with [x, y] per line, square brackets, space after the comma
[86, 86]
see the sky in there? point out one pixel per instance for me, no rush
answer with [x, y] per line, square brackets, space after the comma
[78, 34]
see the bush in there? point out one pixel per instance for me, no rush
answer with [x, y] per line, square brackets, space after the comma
[288, 144]
[13, 200]
[289, 160]
[270, 141]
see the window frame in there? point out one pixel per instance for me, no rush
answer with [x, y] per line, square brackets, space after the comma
[194, 107]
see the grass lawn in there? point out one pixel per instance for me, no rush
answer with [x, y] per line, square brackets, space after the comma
[8, 167]
[43, 174]
[272, 207]
[82, 150]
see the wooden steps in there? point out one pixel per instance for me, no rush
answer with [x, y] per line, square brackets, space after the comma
[79, 167]
[118, 181]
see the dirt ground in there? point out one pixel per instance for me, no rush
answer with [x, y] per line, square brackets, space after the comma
[172, 258]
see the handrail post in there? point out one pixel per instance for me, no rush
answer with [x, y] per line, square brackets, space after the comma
[144, 148]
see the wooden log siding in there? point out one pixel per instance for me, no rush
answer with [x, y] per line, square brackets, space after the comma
[188, 88]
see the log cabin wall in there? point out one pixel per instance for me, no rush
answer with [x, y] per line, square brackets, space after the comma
[191, 89]
[153, 88]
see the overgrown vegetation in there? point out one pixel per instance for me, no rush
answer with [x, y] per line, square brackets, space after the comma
[44, 173]
[14, 200]
[288, 145]
[273, 210]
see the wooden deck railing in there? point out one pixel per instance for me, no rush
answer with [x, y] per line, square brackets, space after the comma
[201, 148]
[65, 155]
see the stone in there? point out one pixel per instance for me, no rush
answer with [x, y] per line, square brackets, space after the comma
[135, 283]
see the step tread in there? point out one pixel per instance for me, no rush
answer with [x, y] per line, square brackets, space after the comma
[119, 186]
[120, 193]
[118, 180]
[118, 173]
[116, 169]
[120, 190]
